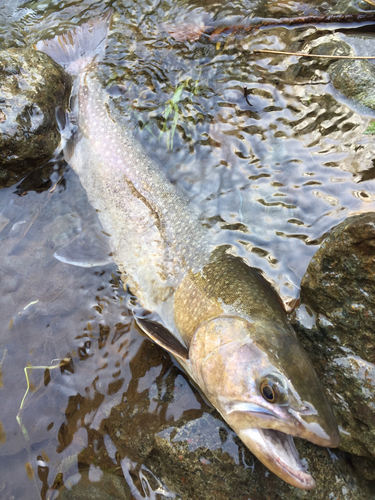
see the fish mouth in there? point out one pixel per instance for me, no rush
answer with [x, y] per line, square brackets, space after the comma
[276, 450]
[250, 408]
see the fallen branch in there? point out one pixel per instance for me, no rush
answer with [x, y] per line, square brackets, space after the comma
[302, 54]
[333, 18]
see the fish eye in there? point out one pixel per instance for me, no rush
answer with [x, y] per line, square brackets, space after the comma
[272, 390]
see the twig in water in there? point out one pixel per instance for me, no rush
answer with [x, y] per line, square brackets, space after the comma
[290, 21]
[18, 416]
[246, 92]
[302, 54]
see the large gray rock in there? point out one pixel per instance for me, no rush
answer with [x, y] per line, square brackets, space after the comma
[32, 86]
[336, 325]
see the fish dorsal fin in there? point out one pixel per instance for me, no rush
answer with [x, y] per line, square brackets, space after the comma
[162, 336]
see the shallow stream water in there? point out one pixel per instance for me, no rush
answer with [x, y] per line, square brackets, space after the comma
[271, 174]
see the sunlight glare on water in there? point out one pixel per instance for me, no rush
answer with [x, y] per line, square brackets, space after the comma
[271, 178]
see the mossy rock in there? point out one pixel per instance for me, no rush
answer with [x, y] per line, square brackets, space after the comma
[355, 79]
[32, 86]
[335, 322]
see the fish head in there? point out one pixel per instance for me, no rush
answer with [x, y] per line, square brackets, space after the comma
[261, 381]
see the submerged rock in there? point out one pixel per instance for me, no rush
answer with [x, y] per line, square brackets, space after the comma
[32, 86]
[355, 79]
[336, 325]
[104, 487]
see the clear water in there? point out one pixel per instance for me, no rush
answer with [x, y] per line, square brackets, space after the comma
[270, 179]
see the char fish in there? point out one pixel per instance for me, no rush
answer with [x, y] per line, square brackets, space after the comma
[216, 315]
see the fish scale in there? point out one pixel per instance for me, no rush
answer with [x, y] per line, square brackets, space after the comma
[122, 158]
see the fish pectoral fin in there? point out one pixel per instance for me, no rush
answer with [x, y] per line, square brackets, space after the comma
[162, 336]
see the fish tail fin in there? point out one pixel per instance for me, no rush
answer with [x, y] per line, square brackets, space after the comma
[78, 47]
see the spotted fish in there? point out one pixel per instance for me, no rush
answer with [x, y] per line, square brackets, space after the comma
[216, 315]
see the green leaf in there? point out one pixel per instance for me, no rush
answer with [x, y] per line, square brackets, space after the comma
[370, 130]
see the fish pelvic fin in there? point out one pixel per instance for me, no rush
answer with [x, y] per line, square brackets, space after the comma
[77, 48]
[162, 336]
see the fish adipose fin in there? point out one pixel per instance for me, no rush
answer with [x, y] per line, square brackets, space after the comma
[79, 45]
[161, 335]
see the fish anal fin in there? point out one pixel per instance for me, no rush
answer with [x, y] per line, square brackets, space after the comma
[66, 122]
[163, 337]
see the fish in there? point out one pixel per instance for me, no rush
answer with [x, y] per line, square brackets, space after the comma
[217, 316]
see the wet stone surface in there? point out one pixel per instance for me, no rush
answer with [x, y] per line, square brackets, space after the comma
[355, 79]
[336, 325]
[199, 457]
[103, 486]
[32, 85]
